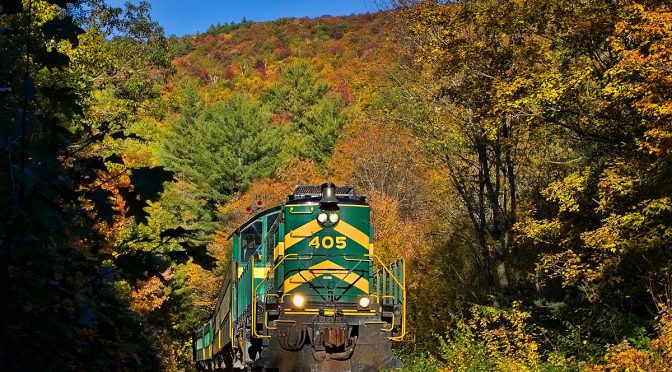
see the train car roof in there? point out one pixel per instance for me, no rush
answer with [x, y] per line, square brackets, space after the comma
[307, 194]
[254, 218]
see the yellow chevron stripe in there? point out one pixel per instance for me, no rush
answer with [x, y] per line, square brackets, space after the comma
[261, 272]
[352, 233]
[279, 250]
[306, 275]
[355, 279]
[325, 267]
[302, 232]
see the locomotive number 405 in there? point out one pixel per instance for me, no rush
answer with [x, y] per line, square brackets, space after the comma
[327, 242]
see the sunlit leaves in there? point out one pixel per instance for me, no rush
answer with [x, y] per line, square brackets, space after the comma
[567, 193]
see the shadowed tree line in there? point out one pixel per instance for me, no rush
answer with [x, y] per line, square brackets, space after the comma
[70, 91]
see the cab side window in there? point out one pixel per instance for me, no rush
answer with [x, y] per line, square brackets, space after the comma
[250, 241]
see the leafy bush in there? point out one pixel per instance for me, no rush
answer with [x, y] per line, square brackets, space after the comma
[492, 339]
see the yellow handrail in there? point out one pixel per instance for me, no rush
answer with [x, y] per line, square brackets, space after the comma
[254, 293]
[309, 211]
[403, 296]
[400, 284]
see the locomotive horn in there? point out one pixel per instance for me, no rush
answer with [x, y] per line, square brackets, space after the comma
[328, 194]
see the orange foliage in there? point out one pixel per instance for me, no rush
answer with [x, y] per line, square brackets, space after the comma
[181, 62]
[272, 191]
[644, 68]
[385, 163]
[382, 157]
[394, 236]
[204, 285]
[149, 296]
[658, 357]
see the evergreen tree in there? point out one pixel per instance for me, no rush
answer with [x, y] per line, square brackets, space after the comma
[222, 150]
[323, 124]
[296, 91]
[316, 116]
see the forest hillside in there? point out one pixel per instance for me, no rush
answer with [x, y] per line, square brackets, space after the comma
[516, 154]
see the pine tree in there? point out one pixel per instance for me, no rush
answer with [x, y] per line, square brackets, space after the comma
[317, 117]
[220, 151]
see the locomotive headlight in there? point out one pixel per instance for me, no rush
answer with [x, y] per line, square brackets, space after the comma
[333, 218]
[364, 302]
[322, 217]
[298, 301]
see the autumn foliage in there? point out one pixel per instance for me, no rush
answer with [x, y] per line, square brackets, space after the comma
[517, 155]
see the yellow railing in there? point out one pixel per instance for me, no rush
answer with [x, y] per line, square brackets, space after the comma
[254, 294]
[402, 286]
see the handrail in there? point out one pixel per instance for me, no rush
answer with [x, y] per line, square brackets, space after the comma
[254, 293]
[309, 211]
[403, 295]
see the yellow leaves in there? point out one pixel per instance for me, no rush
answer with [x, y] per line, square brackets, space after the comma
[643, 43]
[43, 11]
[506, 335]
[616, 182]
[540, 231]
[571, 268]
[634, 230]
[395, 236]
[204, 285]
[494, 339]
[567, 193]
[605, 238]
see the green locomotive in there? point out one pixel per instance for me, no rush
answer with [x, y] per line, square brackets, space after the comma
[305, 291]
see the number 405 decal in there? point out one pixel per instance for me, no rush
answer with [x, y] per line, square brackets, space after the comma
[328, 242]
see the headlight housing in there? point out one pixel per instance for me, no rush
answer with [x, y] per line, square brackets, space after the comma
[298, 301]
[322, 217]
[364, 302]
[334, 217]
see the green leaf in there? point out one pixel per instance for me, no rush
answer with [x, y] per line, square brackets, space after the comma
[51, 59]
[200, 256]
[147, 184]
[64, 100]
[62, 3]
[148, 181]
[101, 201]
[114, 158]
[121, 135]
